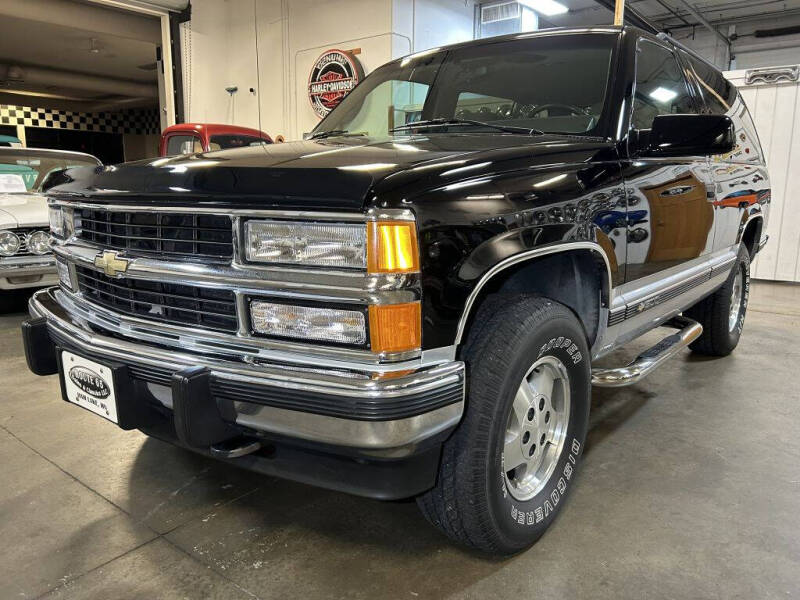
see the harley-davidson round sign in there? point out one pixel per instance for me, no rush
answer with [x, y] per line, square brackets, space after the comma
[333, 75]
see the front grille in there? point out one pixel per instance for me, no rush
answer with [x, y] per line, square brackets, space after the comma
[188, 236]
[164, 302]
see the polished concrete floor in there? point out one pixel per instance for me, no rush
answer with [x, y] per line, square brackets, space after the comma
[690, 489]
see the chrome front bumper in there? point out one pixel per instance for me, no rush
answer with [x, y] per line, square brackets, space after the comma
[25, 267]
[371, 428]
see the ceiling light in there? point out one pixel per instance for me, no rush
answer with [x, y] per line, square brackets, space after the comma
[545, 7]
[663, 95]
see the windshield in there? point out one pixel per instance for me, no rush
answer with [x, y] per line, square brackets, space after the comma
[554, 84]
[24, 170]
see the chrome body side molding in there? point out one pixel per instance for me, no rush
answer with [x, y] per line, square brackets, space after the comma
[523, 257]
[641, 305]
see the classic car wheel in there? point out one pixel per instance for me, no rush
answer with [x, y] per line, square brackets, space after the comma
[722, 313]
[508, 468]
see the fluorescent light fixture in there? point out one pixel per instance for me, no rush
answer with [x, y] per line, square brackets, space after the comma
[545, 7]
[663, 95]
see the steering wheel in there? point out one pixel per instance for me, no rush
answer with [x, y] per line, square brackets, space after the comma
[529, 110]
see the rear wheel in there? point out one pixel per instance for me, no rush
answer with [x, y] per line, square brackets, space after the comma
[722, 313]
[508, 468]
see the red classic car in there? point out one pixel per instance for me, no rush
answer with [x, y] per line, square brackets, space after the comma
[187, 138]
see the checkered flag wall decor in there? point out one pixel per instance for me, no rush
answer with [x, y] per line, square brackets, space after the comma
[135, 120]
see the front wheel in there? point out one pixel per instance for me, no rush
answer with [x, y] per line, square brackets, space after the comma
[508, 468]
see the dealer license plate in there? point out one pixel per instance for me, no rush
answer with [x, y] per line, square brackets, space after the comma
[90, 385]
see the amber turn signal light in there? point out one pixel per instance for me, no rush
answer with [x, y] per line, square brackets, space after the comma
[392, 247]
[395, 327]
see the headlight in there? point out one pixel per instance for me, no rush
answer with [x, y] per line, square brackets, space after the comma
[308, 323]
[38, 242]
[9, 243]
[56, 221]
[378, 247]
[307, 244]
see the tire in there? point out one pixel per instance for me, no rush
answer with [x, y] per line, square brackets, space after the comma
[722, 313]
[476, 501]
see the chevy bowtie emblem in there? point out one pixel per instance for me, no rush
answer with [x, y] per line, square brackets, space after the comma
[111, 263]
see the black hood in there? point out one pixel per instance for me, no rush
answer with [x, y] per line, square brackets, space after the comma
[335, 173]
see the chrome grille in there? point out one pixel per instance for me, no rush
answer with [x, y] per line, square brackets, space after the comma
[157, 234]
[178, 304]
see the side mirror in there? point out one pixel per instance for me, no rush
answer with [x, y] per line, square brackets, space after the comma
[687, 135]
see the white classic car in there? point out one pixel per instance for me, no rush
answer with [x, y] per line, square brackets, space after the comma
[25, 256]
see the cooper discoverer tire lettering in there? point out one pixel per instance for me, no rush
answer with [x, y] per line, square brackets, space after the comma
[508, 468]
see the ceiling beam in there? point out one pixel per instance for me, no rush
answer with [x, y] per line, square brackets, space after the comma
[766, 16]
[632, 16]
[705, 23]
[85, 17]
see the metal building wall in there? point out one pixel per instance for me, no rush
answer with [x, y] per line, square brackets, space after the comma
[776, 111]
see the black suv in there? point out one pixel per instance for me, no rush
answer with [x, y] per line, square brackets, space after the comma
[408, 302]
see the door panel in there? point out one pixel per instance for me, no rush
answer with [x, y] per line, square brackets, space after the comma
[670, 215]
[681, 219]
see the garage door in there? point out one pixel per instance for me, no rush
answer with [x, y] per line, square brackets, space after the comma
[773, 98]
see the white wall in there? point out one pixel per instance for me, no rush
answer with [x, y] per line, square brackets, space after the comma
[749, 51]
[424, 24]
[290, 34]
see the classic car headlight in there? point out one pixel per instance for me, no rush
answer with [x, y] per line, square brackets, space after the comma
[56, 221]
[38, 242]
[307, 244]
[378, 247]
[9, 243]
[309, 323]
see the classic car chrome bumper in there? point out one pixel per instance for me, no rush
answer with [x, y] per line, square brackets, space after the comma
[379, 416]
[24, 271]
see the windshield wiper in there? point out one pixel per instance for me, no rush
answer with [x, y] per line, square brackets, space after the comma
[448, 122]
[324, 134]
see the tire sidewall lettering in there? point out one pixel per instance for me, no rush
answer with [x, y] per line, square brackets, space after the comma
[525, 518]
[547, 500]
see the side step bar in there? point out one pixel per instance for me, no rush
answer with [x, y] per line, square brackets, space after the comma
[651, 358]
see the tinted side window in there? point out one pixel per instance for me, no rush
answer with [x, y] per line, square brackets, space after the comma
[719, 93]
[660, 87]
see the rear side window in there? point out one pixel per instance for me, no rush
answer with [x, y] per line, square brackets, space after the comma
[719, 94]
[660, 86]
[221, 142]
[183, 144]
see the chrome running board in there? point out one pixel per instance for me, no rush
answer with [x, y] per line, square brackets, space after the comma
[235, 448]
[651, 358]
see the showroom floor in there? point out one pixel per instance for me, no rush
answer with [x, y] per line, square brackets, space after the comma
[690, 489]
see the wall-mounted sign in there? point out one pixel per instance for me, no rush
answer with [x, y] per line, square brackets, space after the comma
[334, 74]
